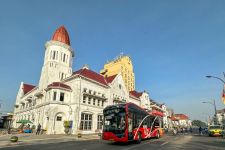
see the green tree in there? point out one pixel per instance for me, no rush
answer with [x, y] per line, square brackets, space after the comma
[198, 123]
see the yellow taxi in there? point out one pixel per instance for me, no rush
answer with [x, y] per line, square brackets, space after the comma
[215, 130]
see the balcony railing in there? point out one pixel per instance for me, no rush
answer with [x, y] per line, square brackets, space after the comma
[102, 97]
[119, 100]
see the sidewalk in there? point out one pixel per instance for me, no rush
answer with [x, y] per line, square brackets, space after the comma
[31, 138]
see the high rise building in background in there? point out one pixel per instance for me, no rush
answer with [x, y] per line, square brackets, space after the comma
[123, 65]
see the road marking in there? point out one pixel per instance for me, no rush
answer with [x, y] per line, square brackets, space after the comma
[133, 147]
[139, 145]
[164, 143]
[28, 140]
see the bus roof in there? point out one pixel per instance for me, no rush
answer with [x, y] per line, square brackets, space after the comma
[135, 107]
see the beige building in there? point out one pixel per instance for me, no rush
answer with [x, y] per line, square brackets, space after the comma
[123, 65]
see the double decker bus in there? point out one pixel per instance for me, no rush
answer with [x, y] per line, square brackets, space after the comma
[129, 122]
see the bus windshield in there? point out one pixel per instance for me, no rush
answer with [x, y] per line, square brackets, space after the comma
[214, 127]
[114, 120]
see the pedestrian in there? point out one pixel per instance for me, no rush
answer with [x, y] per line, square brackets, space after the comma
[38, 129]
[28, 126]
[166, 130]
[200, 130]
[9, 129]
[174, 131]
[181, 130]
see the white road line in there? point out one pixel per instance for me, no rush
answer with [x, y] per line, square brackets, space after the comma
[28, 140]
[164, 143]
[138, 145]
[133, 147]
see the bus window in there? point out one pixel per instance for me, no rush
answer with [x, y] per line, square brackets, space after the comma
[149, 121]
[114, 121]
[156, 123]
[130, 122]
[122, 122]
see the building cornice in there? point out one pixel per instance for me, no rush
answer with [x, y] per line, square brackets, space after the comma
[44, 104]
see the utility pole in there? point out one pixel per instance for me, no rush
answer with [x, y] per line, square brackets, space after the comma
[215, 114]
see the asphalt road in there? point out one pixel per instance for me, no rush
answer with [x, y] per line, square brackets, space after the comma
[192, 142]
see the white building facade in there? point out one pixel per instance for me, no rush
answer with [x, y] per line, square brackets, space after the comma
[63, 95]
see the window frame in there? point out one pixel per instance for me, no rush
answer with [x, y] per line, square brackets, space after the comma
[86, 122]
[100, 122]
[62, 95]
[84, 99]
[54, 96]
[58, 118]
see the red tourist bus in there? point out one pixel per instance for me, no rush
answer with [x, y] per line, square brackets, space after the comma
[129, 122]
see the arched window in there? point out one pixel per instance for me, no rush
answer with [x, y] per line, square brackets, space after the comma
[62, 76]
[59, 117]
[64, 57]
[54, 55]
[50, 56]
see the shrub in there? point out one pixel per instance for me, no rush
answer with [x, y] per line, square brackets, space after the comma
[79, 135]
[66, 124]
[14, 139]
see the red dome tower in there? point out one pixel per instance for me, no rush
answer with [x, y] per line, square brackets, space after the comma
[58, 59]
[61, 35]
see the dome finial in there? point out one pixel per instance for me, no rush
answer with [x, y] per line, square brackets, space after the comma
[86, 66]
[61, 35]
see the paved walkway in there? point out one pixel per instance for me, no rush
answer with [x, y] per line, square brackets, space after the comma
[30, 138]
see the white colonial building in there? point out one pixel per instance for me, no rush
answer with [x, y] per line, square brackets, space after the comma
[64, 95]
[220, 115]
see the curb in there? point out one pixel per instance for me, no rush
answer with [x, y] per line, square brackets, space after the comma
[29, 141]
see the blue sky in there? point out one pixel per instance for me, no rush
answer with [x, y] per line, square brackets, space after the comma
[173, 45]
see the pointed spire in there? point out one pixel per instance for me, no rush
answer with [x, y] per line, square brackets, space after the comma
[61, 35]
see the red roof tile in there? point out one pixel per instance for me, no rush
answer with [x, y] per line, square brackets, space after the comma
[173, 118]
[135, 94]
[91, 75]
[61, 35]
[110, 78]
[27, 88]
[181, 116]
[59, 85]
[157, 113]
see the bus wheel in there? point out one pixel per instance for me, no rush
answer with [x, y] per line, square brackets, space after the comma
[139, 138]
[157, 135]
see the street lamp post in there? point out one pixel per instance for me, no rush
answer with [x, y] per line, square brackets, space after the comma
[207, 118]
[222, 80]
[214, 104]
[217, 78]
